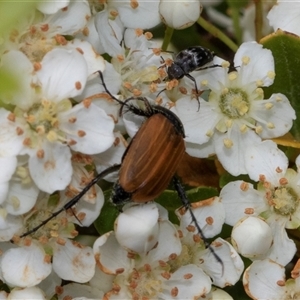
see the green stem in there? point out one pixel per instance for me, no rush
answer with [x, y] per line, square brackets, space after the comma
[258, 19]
[217, 33]
[236, 24]
[167, 39]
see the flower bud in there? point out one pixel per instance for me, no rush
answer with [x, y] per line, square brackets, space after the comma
[251, 237]
[179, 14]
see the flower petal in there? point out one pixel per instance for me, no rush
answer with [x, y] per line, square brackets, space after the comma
[92, 131]
[63, 74]
[261, 280]
[25, 266]
[53, 171]
[51, 7]
[72, 261]
[264, 158]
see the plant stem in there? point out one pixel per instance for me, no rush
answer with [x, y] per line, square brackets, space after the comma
[236, 24]
[216, 32]
[258, 19]
[167, 39]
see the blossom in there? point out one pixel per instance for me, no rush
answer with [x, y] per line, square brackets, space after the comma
[147, 272]
[276, 200]
[285, 16]
[179, 14]
[47, 126]
[266, 280]
[236, 114]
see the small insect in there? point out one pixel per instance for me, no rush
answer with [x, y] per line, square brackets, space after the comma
[149, 163]
[191, 59]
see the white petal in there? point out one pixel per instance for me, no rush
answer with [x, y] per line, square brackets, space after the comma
[25, 266]
[240, 199]
[286, 16]
[51, 7]
[91, 211]
[190, 281]
[136, 229]
[95, 62]
[49, 284]
[8, 167]
[193, 119]
[21, 197]
[168, 243]
[144, 16]
[252, 237]
[283, 248]
[229, 272]
[74, 262]
[233, 158]
[266, 159]
[218, 294]
[261, 62]
[81, 292]
[132, 123]
[179, 14]
[17, 65]
[110, 32]
[72, 19]
[281, 115]
[210, 215]
[110, 255]
[27, 293]
[9, 226]
[11, 143]
[54, 171]
[63, 74]
[92, 130]
[261, 280]
[204, 150]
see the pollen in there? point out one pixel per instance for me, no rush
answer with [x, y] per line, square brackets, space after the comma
[209, 133]
[60, 241]
[209, 220]
[259, 92]
[270, 125]
[138, 31]
[228, 143]
[19, 131]
[243, 128]
[44, 27]
[258, 129]
[114, 13]
[86, 31]
[268, 105]
[249, 211]
[232, 76]
[166, 275]
[134, 4]
[37, 66]
[72, 120]
[271, 74]
[78, 85]
[278, 170]
[81, 133]
[259, 83]
[148, 35]
[244, 186]
[188, 276]
[278, 98]
[245, 60]
[283, 181]
[11, 117]
[174, 291]
[281, 282]
[52, 136]
[15, 202]
[228, 123]
[225, 64]
[40, 153]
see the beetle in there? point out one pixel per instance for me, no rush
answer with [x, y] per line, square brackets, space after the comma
[149, 163]
[188, 60]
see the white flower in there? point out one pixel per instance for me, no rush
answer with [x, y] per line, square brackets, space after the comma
[48, 124]
[285, 16]
[148, 273]
[276, 200]
[26, 293]
[266, 280]
[210, 217]
[236, 115]
[180, 14]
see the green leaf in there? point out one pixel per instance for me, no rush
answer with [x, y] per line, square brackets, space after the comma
[285, 48]
[105, 222]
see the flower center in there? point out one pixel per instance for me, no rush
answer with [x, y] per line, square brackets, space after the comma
[145, 282]
[234, 103]
[285, 200]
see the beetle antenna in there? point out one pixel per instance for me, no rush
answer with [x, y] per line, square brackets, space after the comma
[74, 200]
[187, 205]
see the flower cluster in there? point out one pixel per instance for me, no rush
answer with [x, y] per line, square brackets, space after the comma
[62, 123]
